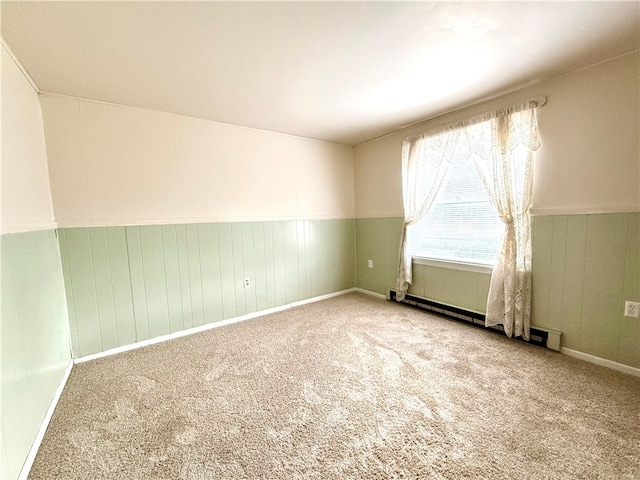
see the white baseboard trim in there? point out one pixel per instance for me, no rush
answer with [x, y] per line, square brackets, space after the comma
[209, 326]
[601, 361]
[28, 463]
[369, 292]
[321, 297]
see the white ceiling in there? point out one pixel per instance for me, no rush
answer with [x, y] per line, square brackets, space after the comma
[344, 72]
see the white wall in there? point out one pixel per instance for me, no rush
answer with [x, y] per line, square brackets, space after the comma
[35, 350]
[26, 197]
[589, 161]
[117, 165]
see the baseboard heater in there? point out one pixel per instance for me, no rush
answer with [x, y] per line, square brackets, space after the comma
[476, 319]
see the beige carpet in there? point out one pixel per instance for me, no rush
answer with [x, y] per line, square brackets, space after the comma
[352, 387]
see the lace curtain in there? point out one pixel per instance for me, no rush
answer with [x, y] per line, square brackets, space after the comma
[425, 162]
[502, 146]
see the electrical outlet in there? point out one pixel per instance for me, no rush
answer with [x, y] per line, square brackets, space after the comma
[632, 309]
[247, 282]
[370, 263]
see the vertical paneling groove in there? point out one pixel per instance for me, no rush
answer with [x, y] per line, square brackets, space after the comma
[218, 253]
[574, 271]
[172, 276]
[290, 243]
[112, 290]
[121, 284]
[556, 274]
[195, 274]
[280, 267]
[259, 269]
[238, 268]
[312, 258]
[133, 304]
[210, 271]
[84, 295]
[331, 229]
[309, 258]
[248, 267]
[185, 277]
[154, 280]
[164, 272]
[604, 281]
[629, 340]
[300, 258]
[226, 270]
[68, 286]
[108, 282]
[267, 231]
[324, 250]
[102, 286]
[97, 307]
[541, 268]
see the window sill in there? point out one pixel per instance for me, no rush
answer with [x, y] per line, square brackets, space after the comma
[469, 267]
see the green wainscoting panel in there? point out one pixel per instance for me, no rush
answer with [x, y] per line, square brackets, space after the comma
[570, 320]
[138, 291]
[173, 281]
[128, 284]
[629, 348]
[35, 339]
[418, 286]
[453, 287]
[342, 256]
[377, 239]
[121, 284]
[602, 306]
[584, 268]
[75, 242]
[211, 279]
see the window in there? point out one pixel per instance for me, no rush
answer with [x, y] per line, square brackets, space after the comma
[462, 225]
[448, 215]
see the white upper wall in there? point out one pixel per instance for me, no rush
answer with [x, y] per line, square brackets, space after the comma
[117, 165]
[589, 161]
[26, 196]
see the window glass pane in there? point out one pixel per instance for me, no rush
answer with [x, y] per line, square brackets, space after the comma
[462, 225]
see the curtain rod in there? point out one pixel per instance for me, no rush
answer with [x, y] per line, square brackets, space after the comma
[539, 100]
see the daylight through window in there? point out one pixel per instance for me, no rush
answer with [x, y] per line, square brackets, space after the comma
[462, 225]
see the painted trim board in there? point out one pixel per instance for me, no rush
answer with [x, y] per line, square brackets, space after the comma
[590, 210]
[28, 463]
[603, 362]
[141, 222]
[370, 293]
[209, 326]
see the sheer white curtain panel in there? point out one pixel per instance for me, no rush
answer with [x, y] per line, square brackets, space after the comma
[425, 162]
[506, 171]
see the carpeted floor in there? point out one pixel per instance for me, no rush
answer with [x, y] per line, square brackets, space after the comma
[351, 387]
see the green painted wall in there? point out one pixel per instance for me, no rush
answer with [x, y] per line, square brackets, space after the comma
[584, 267]
[34, 337]
[128, 284]
[377, 239]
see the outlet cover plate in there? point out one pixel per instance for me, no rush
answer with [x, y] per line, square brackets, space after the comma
[632, 309]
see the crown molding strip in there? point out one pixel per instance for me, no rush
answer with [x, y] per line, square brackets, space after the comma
[20, 66]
